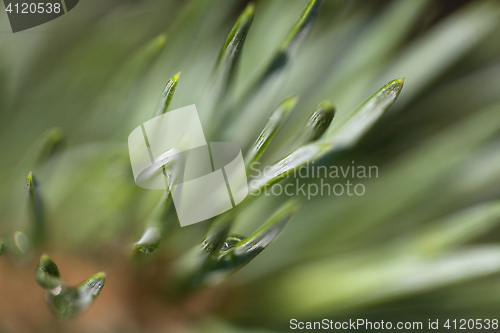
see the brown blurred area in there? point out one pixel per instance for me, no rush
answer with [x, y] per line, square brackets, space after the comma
[131, 301]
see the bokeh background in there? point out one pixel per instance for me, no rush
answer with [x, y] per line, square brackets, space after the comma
[420, 244]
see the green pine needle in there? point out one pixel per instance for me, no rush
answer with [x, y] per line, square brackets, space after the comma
[247, 249]
[36, 210]
[231, 50]
[365, 116]
[66, 302]
[167, 94]
[157, 226]
[455, 230]
[52, 143]
[47, 273]
[292, 41]
[226, 68]
[273, 125]
[317, 125]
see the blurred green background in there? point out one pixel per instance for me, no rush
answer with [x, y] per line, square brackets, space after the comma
[421, 243]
